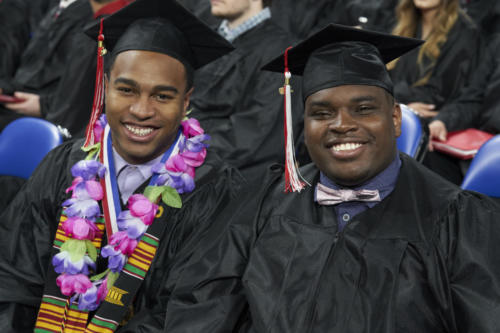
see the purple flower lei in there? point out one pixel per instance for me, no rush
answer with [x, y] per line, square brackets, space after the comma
[77, 256]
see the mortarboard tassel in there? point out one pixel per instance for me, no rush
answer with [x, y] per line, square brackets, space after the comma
[293, 180]
[98, 91]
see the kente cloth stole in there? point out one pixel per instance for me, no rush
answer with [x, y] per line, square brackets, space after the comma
[56, 314]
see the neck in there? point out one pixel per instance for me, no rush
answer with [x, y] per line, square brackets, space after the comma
[255, 8]
[428, 17]
[96, 6]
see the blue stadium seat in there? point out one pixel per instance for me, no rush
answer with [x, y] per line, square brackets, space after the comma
[24, 143]
[483, 174]
[412, 138]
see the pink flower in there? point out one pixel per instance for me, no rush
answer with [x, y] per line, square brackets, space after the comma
[141, 207]
[102, 291]
[70, 284]
[177, 164]
[123, 243]
[75, 182]
[194, 159]
[191, 127]
[94, 189]
[80, 228]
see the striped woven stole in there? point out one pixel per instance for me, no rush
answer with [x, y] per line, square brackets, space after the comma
[57, 315]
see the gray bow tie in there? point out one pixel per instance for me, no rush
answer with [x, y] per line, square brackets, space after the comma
[328, 196]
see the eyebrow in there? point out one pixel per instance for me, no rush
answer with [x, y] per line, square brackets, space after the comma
[319, 103]
[366, 98]
[155, 88]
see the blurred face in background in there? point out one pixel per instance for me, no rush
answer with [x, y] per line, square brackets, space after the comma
[424, 5]
[230, 9]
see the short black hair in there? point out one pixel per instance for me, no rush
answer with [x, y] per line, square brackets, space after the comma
[109, 60]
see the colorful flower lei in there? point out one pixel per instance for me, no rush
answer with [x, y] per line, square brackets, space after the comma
[77, 256]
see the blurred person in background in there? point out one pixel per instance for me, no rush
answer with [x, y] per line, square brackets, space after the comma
[433, 75]
[235, 101]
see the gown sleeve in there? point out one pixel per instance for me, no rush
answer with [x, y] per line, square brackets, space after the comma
[468, 241]
[27, 230]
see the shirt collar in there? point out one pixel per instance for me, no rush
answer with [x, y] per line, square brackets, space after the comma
[384, 182]
[144, 169]
[232, 34]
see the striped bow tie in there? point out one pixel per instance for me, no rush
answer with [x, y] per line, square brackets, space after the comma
[328, 196]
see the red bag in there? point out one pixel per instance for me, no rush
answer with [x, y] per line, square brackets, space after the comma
[462, 144]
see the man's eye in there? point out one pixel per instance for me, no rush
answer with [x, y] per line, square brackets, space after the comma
[365, 108]
[320, 113]
[124, 90]
[163, 97]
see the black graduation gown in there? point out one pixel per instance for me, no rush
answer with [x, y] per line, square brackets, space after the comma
[28, 226]
[422, 260]
[459, 57]
[378, 15]
[44, 60]
[239, 105]
[478, 105]
[302, 18]
[14, 34]
[486, 14]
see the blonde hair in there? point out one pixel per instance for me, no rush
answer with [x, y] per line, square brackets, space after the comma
[408, 17]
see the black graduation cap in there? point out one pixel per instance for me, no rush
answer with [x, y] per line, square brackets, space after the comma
[340, 55]
[162, 26]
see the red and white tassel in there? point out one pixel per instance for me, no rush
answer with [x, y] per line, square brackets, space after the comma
[293, 179]
[98, 91]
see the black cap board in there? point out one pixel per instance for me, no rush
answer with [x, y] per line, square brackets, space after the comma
[162, 26]
[341, 55]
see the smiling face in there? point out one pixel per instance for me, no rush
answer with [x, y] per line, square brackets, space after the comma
[146, 100]
[350, 132]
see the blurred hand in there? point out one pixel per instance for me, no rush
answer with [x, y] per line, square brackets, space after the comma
[424, 110]
[30, 106]
[437, 130]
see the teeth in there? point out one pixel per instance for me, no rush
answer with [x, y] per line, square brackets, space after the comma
[139, 131]
[346, 146]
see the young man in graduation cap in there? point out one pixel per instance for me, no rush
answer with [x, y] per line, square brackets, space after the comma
[376, 243]
[97, 237]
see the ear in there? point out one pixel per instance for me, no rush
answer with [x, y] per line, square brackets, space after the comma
[396, 119]
[187, 97]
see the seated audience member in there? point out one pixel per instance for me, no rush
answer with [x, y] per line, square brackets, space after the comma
[479, 103]
[432, 76]
[378, 243]
[111, 271]
[435, 73]
[234, 100]
[44, 61]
